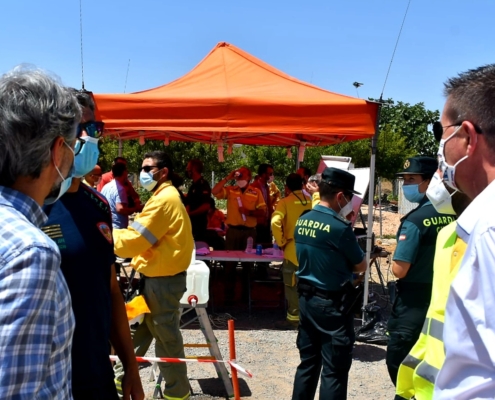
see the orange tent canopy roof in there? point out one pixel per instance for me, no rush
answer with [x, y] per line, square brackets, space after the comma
[231, 96]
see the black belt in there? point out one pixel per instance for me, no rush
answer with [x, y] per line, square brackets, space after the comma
[307, 289]
[241, 227]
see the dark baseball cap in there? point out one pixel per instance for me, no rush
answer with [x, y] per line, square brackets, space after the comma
[339, 178]
[420, 165]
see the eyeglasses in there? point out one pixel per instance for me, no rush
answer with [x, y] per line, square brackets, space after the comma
[78, 146]
[438, 129]
[93, 129]
[148, 168]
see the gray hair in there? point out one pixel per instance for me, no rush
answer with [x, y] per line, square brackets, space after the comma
[471, 96]
[34, 110]
[84, 98]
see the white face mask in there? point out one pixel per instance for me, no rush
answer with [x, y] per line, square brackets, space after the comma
[448, 171]
[346, 210]
[439, 196]
[242, 183]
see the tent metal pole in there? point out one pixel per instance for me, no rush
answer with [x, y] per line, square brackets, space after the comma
[120, 147]
[380, 205]
[369, 233]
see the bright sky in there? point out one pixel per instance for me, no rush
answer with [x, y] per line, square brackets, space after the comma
[330, 43]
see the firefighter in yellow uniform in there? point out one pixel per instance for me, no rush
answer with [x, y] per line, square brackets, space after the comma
[161, 243]
[244, 205]
[274, 192]
[284, 219]
[417, 373]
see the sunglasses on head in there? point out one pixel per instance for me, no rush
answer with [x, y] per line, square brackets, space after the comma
[148, 168]
[93, 129]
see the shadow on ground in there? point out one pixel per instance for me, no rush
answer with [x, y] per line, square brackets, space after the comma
[214, 387]
[368, 353]
[243, 319]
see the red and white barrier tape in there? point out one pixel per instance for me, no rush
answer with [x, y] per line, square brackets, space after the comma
[239, 369]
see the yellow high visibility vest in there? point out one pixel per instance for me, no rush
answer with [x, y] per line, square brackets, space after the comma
[418, 371]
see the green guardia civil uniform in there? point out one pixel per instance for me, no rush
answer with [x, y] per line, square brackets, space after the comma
[326, 248]
[327, 252]
[416, 240]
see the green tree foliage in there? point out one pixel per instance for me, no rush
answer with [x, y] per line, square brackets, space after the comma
[180, 152]
[411, 121]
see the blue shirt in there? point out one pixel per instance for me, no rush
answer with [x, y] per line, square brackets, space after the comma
[115, 193]
[36, 320]
[80, 224]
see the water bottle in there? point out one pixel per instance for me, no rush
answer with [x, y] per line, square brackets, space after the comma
[249, 246]
[198, 275]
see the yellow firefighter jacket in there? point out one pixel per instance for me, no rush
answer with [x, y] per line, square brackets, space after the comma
[160, 238]
[284, 219]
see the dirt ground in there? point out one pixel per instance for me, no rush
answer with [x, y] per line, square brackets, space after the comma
[272, 357]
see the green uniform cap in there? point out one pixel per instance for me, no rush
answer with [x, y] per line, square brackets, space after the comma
[339, 178]
[420, 165]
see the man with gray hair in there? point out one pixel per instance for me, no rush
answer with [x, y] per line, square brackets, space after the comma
[81, 225]
[38, 120]
[467, 161]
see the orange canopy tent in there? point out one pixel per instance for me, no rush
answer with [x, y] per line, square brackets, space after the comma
[233, 97]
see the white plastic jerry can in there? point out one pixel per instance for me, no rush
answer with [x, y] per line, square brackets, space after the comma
[198, 275]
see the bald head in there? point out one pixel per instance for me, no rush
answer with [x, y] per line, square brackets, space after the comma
[93, 178]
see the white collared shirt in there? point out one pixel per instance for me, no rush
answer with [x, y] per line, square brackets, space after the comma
[469, 330]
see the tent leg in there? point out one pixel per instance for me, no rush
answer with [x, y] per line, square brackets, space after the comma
[380, 205]
[369, 236]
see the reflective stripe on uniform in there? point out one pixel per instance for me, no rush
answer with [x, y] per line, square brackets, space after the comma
[292, 318]
[145, 232]
[411, 362]
[436, 329]
[118, 386]
[279, 213]
[427, 372]
[424, 330]
[433, 327]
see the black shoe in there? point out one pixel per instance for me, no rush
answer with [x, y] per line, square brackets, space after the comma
[286, 325]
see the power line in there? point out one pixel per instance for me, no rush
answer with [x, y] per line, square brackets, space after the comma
[395, 48]
[81, 33]
[127, 74]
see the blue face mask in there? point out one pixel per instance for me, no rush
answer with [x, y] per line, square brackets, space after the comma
[147, 181]
[412, 193]
[87, 158]
[64, 185]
